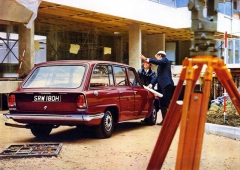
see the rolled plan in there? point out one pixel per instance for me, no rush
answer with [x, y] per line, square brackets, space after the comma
[153, 91]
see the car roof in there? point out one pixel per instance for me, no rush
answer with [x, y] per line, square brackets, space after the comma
[91, 62]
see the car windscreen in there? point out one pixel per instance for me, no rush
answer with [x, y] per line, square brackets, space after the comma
[57, 76]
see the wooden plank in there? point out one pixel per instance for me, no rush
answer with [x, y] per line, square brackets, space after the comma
[5, 22]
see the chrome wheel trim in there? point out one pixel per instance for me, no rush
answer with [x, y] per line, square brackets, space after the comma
[154, 114]
[108, 121]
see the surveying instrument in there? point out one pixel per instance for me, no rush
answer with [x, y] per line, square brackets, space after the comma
[192, 111]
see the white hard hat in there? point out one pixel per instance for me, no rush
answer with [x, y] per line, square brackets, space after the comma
[161, 52]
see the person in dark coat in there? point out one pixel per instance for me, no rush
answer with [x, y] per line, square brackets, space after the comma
[146, 74]
[164, 80]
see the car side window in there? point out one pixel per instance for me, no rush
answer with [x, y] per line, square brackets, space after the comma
[102, 75]
[132, 78]
[120, 76]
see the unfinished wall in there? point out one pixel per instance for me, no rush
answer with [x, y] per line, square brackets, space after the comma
[91, 46]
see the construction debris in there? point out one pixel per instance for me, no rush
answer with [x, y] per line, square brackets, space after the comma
[30, 150]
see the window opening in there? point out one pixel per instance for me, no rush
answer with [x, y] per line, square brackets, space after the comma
[102, 76]
[132, 78]
[120, 76]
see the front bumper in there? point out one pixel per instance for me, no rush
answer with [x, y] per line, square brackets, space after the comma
[56, 119]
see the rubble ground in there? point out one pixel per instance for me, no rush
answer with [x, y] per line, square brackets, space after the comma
[216, 115]
[129, 148]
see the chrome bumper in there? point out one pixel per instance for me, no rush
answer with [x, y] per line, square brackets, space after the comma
[54, 117]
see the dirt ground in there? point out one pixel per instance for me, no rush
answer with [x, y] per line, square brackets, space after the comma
[129, 148]
[216, 115]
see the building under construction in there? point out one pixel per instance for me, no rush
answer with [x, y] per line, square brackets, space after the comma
[99, 30]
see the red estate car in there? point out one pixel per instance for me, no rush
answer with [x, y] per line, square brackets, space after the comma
[80, 92]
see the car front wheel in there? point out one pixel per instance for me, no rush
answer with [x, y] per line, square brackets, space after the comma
[105, 128]
[151, 120]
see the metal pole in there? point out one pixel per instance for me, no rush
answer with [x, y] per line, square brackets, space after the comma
[225, 58]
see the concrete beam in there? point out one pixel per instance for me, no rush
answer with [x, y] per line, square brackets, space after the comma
[11, 10]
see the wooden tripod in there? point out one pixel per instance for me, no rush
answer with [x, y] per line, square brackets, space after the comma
[192, 112]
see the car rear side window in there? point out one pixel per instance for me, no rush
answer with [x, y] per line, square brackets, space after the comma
[56, 76]
[102, 76]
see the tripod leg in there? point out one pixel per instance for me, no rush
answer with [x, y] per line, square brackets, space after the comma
[173, 117]
[186, 150]
[165, 137]
[225, 78]
[202, 120]
[184, 120]
[189, 122]
[191, 137]
[168, 129]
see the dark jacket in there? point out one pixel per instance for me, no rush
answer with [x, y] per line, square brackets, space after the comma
[164, 74]
[146, 78]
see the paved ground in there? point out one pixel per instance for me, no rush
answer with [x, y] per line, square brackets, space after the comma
[129, 148]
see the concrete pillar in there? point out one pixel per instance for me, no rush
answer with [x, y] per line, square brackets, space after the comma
[155, 43]
[53, 44]
[26, 42]
[135, 46]
[144, 43]
[118, 48]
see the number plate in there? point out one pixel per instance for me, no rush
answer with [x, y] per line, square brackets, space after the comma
[47, 98]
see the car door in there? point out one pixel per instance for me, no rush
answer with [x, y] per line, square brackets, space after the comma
[126, 94]
[140, 94]
[102, 91]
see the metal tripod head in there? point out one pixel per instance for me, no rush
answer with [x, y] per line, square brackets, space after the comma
[204, 25]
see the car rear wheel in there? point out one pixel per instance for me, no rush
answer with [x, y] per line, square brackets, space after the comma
[41, 131]
[151, 120]
[105, 128]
